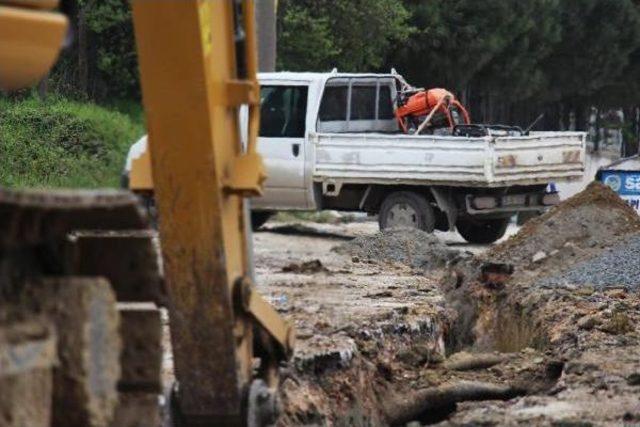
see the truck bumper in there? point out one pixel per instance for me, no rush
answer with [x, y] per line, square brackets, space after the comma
[510, 203]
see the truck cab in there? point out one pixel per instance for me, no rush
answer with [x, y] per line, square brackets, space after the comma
[295, 106]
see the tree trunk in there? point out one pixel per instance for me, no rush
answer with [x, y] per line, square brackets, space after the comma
[266, 32]
[83, 52]
[43, 87]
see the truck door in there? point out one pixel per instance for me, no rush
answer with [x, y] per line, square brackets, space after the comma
[283, 115]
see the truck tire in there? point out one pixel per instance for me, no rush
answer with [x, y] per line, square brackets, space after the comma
[259, 218]
[406, 209]
[482, 231]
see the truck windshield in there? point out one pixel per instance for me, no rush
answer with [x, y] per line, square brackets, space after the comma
[283, 111]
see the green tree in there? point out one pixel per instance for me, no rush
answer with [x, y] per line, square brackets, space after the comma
[352, 35]
[454, 40]
[101, 63]
[598, 38]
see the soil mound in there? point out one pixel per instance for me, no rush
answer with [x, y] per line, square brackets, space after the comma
[408, 246]
[614, 267]
[580, 227]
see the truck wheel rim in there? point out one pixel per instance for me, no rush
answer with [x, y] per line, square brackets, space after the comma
[402, 215]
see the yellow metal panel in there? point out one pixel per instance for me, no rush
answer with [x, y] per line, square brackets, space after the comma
[194, 141]
[140, 178]
[30, 41]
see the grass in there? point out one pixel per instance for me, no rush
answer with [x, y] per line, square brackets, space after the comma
[60, 143]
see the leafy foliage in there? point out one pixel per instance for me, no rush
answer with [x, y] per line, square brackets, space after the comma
[101, 64]
[352, 35]
[507, 59]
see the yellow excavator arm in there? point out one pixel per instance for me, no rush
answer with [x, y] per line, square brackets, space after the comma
[198, 66]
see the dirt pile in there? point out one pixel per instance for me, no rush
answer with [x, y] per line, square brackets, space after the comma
[577, 229]
[411, 247]
[559, 301]
[614, 267]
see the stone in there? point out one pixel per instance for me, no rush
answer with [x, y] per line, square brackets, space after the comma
[539, 256]
[634, 379]
[588, 322]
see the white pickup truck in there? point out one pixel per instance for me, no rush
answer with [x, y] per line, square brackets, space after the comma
[331, 141]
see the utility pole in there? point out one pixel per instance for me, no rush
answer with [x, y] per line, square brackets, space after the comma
[266, 13]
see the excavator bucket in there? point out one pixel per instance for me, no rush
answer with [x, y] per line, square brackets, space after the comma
[31, 36]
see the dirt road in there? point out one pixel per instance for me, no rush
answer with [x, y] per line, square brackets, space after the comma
[391, 336]
[407, 327]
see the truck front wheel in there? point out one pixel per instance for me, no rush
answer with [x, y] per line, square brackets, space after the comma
[406, 209]
[482, 231]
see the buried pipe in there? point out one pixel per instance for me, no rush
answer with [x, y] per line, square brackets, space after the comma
[417, 405]
[470, 362]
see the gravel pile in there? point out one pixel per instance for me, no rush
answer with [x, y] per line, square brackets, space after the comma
[577, 229]
[411, 247]
[617, 266]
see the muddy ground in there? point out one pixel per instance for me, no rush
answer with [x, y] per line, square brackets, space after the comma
[410, 329]
[438, 332]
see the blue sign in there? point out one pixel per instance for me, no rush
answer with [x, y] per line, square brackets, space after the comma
[626, 184]
[623, 183]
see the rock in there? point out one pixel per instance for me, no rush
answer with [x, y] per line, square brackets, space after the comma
[580, 368]
[588, 322]
[307, 267]
[634, 379]
[418, 355]
[355, 259]
[617, 325]
[539, 256]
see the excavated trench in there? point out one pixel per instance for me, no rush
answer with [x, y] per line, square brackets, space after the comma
[486, 317]
[407, 372]
[490, 330]
[418, 363]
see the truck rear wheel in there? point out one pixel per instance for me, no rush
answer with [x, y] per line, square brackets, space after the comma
[406, 209]
[482, 231]
[259, 218]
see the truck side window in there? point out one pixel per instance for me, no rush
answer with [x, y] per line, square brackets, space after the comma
[334, 104]
[385, 104]
[363, 102]
[283, 111]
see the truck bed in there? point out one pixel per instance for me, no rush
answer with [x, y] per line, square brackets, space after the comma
[489, 161]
